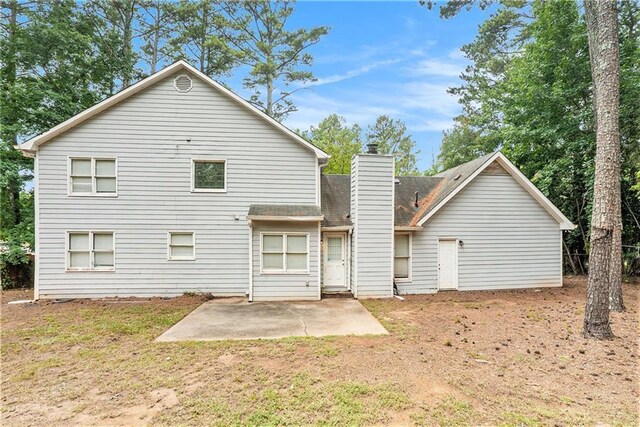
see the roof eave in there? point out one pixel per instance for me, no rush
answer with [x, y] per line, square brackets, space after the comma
[285, 218]
[26, 151]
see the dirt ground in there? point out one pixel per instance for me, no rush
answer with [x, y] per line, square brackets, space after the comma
[453, 358]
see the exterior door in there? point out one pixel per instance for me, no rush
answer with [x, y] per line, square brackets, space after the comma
[447, 264]
[334, 261]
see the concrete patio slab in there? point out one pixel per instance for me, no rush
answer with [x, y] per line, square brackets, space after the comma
[237, 319]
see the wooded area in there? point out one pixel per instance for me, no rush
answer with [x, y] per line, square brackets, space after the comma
[528, 92]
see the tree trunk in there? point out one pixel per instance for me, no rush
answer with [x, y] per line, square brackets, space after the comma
[616, 302]
[269, 103]
[604, 51]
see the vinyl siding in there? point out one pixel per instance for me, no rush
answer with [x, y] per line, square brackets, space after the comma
[373, 198]
[154, 135]
[510, 241]
[286, 286]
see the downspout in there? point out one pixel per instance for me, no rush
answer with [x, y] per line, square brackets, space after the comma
[36, 220]
[349, 263]
[250, 261]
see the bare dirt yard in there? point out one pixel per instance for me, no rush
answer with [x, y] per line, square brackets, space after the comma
[491, 358]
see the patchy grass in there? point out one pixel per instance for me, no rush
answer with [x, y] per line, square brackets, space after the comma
[95, 362]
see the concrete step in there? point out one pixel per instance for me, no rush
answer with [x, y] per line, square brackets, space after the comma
[336, 294]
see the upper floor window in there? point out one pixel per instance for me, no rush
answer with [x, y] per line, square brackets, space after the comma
[402, 256]
[90, 250]
[92, 176]
[209, 175]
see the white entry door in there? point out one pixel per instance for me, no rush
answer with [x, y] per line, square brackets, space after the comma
[334, 261]
[447, 264]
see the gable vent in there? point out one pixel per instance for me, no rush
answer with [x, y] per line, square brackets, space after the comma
[182, 83]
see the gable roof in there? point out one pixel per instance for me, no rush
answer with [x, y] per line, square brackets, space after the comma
[434, 192]
[451, 179]
[31, 146]
[456, 179]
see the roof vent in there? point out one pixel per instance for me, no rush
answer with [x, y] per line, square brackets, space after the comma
[457, 177]
[183, 83]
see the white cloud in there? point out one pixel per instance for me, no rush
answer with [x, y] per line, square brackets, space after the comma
[312, 108]
[432, 67]
[456, 54]
[432, 125]
[352, 73]
[423, 106]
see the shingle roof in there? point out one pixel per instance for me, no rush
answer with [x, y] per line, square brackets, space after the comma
[336, 200]
[431, 190]
[451, 179]
[285, 210]
[406, 188]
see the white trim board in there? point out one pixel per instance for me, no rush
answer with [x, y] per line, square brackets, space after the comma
[564, 222]
[30, 146]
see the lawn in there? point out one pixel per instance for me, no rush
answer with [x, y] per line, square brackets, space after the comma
[500, 358]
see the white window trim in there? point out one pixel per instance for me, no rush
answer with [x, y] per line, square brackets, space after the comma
[94, 192]
[193, 240]
[195, 160]
[410, 258]
[284, 253]
[91, 251]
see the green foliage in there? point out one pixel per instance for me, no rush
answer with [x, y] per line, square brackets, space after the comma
[341, 141]
[392, 138]
[202, 26]
[275, 55]
[528, 93]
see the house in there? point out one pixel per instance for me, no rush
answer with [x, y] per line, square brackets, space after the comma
[176, 184]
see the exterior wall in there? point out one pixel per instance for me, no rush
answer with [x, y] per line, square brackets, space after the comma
[154, 136]
[510, 241]
[372, 178]
[286, 286]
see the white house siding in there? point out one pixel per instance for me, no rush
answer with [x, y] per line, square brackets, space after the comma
[286, 286]
[372, 215]
[154, 136]
[510, 241]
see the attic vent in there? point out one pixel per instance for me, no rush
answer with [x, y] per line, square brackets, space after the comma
[182, 83]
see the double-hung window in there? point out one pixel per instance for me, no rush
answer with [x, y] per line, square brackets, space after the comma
[402, 256]
[90, 176]
[90, 251]
[209, 175]
[285, 253]
[182, 245]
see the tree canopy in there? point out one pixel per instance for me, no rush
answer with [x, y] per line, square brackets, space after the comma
[528, 92]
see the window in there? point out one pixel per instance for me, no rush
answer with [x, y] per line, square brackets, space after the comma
[90, 250]
[209, 175]
[285, 253]
[402, 256]
[182, 245]
[91, 177]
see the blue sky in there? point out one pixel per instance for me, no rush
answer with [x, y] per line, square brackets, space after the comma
[394, 58]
